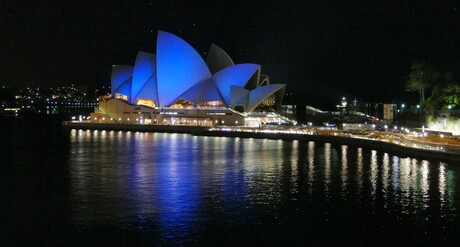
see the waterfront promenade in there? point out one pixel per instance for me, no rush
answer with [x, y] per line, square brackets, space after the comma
[434, 147]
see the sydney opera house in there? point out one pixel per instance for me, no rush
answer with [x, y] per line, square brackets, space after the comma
[176, 86]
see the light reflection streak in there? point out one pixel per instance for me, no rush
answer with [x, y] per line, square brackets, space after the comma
[405, 180]
[360, 169]
[279, 153]
[344, 171]
[327, 168]
[294, 167]
[425, 185]
[385, 179]
[311, 166]
[442, 183]
[237, 150]
[446, 189]
[450, 188]
[295, 151]
[395, 182]
[413, 194]
[373, 173]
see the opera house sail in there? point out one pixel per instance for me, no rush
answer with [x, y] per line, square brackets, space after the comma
[176, 86]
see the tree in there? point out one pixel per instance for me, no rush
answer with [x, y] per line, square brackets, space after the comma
[444, 94]
[421, 77]
[452, 95]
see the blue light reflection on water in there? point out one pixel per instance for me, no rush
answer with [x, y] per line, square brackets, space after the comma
[181, 188]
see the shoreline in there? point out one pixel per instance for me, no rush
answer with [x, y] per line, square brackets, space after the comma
[205, 131]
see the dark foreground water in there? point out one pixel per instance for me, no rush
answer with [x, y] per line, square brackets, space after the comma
[130, 188]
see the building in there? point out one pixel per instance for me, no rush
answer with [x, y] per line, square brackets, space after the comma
[289, 111]
[389, 112]
[177, 86]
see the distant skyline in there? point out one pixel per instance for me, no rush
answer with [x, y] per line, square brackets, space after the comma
[322, 50]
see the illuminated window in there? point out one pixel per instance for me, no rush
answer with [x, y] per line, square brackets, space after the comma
[146, 102]
[107, 97]
[216, 103]
[182, 104]
[121, 96]
[269, 101]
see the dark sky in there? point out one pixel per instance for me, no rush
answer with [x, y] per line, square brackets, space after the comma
[320, 49]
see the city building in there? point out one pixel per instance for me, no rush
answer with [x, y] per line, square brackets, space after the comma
[289, 111]
[66, 100]
[177, 86]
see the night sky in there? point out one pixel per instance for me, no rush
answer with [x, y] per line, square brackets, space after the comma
[322, 50]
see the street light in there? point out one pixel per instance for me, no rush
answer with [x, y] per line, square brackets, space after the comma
[422, 96]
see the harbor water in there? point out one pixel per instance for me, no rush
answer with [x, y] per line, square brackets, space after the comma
[81, 187]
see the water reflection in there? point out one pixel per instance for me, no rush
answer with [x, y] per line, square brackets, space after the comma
[327, 169]
[294, 166]
[447, 190]
[374, 172]
[311, 168]
[177, 185]
[424, 183]
[344, 170]
[359, 172]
